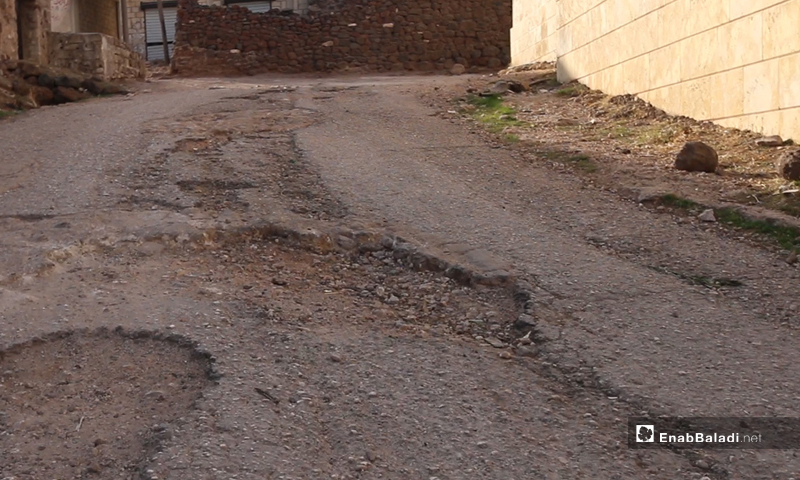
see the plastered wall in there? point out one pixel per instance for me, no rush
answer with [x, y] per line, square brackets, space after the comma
[735, 62]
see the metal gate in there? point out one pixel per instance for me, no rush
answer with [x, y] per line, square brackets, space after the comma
[257, 7]
[152, 31]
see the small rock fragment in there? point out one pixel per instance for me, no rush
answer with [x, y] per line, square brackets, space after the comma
[771, 141]
[707, 216]
[496, 343]
[792, 258]
[697, 157]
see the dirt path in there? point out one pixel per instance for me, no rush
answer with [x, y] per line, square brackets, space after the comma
[203, 216]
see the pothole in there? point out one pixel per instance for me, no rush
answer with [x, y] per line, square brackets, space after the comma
[93, 404]
[202, 186]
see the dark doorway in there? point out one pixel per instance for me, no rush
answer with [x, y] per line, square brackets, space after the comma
[28, 31]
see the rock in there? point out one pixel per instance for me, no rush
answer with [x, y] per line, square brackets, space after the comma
[329, 43]
[346, 242]
[108, 88]
[46, 80]
[279, 281]
[771, 141]
[6, 83]
[392, 300]
[707, 216]
[697, 157]
[90, 86]
[21, 87]
[496, 343]
[792, 258]
[788, 164]
[499, 87]
[8, 102]
[527, 351]
[64, 95]
[69, 82]
[42, 95]
[525, 321]
[458, 69]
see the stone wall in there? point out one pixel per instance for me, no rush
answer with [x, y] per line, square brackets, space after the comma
[95, 54]
[378, 35]
[8, 30]
[734, 62]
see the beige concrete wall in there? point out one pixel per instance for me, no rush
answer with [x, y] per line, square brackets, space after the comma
[734, 62]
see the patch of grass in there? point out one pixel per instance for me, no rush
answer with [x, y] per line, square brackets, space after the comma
[785, 235]
[655, 135]
[511, 138]
[494, 113]
[584, 162]
[702, 280]
[580, 161]
[572, 91]
[620, 131]
[674, 201]
[8, 113]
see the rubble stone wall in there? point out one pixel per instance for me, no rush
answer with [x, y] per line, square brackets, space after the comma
[95, 54]
[378, 35]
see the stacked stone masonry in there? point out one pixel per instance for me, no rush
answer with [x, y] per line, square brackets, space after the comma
[95, 55]
[381, 35]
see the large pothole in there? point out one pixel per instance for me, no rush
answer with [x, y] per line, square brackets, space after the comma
[93, 405]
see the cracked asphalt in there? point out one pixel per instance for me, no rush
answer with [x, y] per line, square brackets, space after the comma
[108, 209]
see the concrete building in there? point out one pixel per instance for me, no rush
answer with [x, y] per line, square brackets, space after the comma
[734, 62]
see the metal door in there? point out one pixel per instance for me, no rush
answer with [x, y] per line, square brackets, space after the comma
[152, 31]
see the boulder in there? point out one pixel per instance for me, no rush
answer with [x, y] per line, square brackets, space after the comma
[66, 94]
[69, 81]
[46, 80]
[788, 164]
[91, 86]
[21, 87]
[458, 69]
[6, 83]
[8, 101]
[42, 95]
[697, 157]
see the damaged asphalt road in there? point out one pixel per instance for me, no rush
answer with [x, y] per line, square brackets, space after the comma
[260, 235]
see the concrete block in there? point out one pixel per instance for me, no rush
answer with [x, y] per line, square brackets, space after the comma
[789, 81]
[790, 124]
[780, 32]
[699, 55]
[761, 87]
[665, 66]
[745, 34]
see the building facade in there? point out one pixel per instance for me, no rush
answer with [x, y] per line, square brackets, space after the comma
[734, 62]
